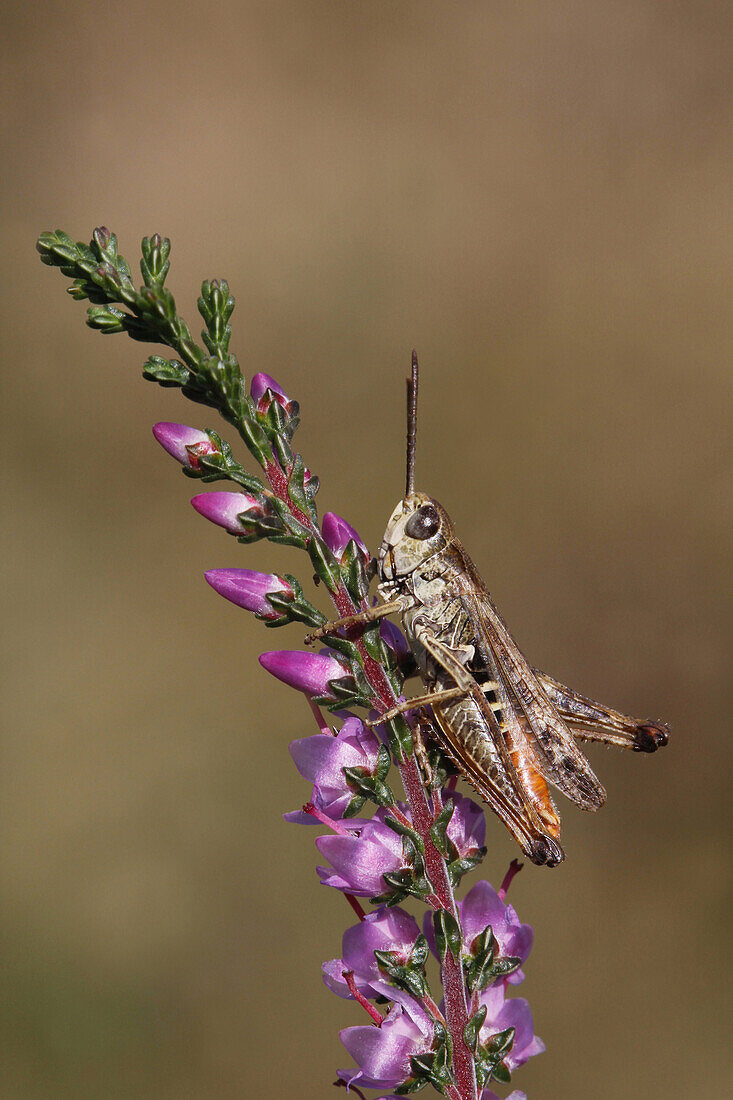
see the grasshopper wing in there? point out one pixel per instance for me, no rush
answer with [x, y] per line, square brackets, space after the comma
[558, 757]
[592, 721]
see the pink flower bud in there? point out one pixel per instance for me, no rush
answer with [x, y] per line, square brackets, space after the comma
[337, 534]
[308, 672]
[261, 383]
[183, 443]
[248, 589]
[395, 640]
[225, 509]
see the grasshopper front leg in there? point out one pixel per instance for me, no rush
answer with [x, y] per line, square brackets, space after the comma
[360, 618]
[417, 702]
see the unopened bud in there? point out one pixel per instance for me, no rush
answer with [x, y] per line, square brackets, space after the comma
[249, 589]
[185, 444]
[337, 534]
[225, 509]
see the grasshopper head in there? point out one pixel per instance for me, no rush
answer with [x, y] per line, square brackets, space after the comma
[418, 528]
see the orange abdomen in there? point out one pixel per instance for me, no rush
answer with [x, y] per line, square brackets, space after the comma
[534, 784]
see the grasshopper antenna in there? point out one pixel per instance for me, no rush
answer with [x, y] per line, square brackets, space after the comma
[411, 425]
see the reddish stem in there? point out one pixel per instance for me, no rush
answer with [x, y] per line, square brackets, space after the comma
[514, 868]
[321, 721]
[433, 1009]
[355, 905]
[376, 1016]
[398, 815]
[454, 987]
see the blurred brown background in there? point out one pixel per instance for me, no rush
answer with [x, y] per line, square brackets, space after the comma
[537, 196]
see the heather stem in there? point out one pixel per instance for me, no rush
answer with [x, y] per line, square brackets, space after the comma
[514, 868]
[451, 972]
[356, 906]
[421, 813]
[323, 725]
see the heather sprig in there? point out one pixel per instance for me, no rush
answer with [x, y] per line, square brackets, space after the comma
[387, 845]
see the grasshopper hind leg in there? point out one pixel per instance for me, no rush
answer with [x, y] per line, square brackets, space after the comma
[421, 753]
[544, 851]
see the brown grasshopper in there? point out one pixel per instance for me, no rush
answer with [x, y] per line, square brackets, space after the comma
[508, 728]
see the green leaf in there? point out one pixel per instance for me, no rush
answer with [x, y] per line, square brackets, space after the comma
[107, 319]
[478, 967]
[413, 1084]
[439, 829]
[432, 1068]
[420, 952]
[405, 881]
[154, 265]
[324, 563]
[346, 695]
[447, 934]
[390, 898]
[297, 492]
[355, 806]
[473, 1027]
[353, 570]
[501, 968]
[255, 440]
[372, 640]
[501, 1073]
[384, 763]
[216, 306]
[499, 1045]
[458, 867]
[369, 786]
[406, 831]
[409, 978]
[400, 738]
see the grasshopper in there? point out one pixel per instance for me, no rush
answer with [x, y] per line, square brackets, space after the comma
[508, 728]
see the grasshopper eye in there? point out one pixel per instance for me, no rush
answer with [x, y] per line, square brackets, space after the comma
[423, 523]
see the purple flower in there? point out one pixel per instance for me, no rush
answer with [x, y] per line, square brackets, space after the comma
[359, 861]
[383, 1053]
[487, 1094]
[226, 508]
[381, 930]
[395, 640]
[308, 672]
[514, 1012]
[482, 906]
[467, 826]
[337, 534]
[259, 387]
[322, 758]
[249, 589]
[184, 443]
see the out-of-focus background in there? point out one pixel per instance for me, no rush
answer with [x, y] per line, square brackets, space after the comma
[538, 197]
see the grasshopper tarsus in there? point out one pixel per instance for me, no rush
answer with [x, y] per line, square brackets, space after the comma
[348, 622]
